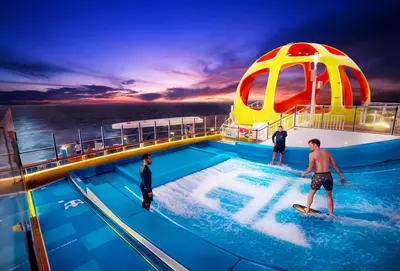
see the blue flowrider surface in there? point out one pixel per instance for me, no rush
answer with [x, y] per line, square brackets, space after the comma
[113, 199]
[191, 251]
[244, 265]
[75, 237]
[119, 191]
[172, 166]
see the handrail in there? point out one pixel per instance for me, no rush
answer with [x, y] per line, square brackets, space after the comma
[277, 118]
[43, 162]
[383, 103]
[263, 127]
[280, 118]
[351, 106]
[35, 150]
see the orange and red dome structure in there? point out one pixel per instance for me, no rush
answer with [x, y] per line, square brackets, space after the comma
[307, 55]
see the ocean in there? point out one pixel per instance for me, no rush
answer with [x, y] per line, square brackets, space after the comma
[35, 124]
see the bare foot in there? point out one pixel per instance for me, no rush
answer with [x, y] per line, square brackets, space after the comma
[145, 205]
[280, 164]
[272, 163]
[307, 210]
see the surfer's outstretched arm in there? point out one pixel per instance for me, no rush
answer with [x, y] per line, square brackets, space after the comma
[335, 167]
[310, 165]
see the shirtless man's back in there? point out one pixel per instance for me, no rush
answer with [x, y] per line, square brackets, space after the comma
[320, 161]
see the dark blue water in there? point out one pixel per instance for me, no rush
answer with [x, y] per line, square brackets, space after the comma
[34, 124]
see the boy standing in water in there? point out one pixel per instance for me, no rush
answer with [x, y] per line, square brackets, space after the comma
[279, 144]
[321, 160]
[145, 185]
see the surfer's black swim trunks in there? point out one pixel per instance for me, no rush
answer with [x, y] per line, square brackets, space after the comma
[146, 197]
[324, 178]
[279, 148]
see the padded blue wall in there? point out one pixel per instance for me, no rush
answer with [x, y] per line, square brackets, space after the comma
[351, 156]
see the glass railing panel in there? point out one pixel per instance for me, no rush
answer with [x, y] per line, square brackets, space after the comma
[375, 119]
[67, 151]
[16, 243]
[396, 126]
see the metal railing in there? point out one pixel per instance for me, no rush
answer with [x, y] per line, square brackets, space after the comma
[381, 119]
[323, 121]
[266, 132]
[57, 154]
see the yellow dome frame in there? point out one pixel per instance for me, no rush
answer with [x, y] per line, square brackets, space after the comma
[280, 58]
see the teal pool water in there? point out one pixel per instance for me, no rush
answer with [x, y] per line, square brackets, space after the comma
[246, 208]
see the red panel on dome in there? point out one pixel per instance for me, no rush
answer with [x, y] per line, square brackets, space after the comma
[334, 51]
[301, 49]
[269, 55]
[247, 82]
[346, 87]
[364, 88]
[304, 96]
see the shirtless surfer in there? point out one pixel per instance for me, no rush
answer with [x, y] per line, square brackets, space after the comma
[321, 159]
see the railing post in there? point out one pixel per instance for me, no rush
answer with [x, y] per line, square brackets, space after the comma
[205, 125]
[81, 141]
[169, 128]
[55, 145]
[267, 129]
[354, 120]
[122, 135]
[155, 130]
[365, 115]
[140, 132]
[322, 116]
[194, 126]
[181, 128]
[102, 138]
[280, 121]
[238, 133]
[18, 151]
[295, 113]
[215, 124]
[394, 119]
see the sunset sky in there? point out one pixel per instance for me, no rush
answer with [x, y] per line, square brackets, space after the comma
[169, 51]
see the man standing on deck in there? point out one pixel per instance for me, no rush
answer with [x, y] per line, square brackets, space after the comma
[321, 160]
[279, 144]
[78, 148]
[145, 185]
